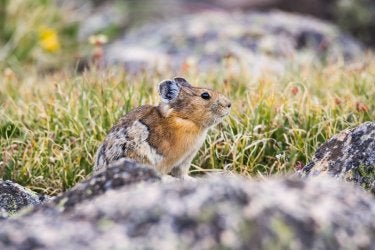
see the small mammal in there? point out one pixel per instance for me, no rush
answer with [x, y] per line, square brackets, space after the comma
[165, 137]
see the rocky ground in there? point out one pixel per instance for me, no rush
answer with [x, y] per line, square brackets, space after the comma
[128, 206]
[211, 213]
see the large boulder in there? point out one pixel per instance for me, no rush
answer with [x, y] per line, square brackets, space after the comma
[260, 40]
[13, 197]
[217, 212]
[349, 155]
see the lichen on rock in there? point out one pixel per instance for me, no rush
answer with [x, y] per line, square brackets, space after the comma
[217, 212]
[13, 197]
[349, 155]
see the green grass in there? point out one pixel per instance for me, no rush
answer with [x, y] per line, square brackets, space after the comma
[51, 125]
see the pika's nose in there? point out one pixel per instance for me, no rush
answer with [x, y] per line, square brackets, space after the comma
[225, 103]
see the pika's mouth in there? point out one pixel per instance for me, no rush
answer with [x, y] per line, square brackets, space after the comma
[225, 112]
[220, 112]
[224, 115]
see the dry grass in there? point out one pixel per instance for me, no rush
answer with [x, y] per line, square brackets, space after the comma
[51, 125]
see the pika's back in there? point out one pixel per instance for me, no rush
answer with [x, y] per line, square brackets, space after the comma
[138, 113]
[127, 139]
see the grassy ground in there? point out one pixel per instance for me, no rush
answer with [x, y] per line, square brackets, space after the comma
[51, 125]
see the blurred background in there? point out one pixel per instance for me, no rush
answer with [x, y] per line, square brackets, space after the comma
[54, 34]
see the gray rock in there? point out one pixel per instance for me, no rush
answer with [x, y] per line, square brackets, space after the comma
[103, 18]
[109, 17]
[260, 40]
[232, 213]
[119, 174]
[3, 214]
[349, 155]
[13, 197]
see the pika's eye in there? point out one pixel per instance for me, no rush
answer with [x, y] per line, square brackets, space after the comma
[205, 95]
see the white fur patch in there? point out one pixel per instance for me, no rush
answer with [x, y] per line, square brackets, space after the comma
[137, 136]
[119, 143]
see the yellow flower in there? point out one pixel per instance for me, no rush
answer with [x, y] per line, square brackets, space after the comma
[48, 39]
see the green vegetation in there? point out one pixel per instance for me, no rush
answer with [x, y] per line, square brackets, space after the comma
[363, 175]
[51, 125]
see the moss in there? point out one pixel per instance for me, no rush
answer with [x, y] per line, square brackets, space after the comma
[105, 224]
[12, 206]
[364, 176]
[284, 235]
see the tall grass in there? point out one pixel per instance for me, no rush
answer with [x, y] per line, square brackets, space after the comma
[51, 125]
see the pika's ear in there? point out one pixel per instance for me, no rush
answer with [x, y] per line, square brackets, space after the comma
[182, 81]
[168, 90]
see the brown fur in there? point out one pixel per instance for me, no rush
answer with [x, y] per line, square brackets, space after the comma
[175, 130]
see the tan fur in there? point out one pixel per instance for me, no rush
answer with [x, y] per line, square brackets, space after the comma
[166, 136]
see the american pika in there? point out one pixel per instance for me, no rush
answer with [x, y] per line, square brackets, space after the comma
[165, 137]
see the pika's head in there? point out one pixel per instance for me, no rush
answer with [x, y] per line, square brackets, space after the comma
[204, 107]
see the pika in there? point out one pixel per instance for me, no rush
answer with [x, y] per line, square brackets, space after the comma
[168, 136]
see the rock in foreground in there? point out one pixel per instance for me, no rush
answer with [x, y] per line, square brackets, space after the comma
[349, 155]
[120, 174]
[13, 197]
[233, 213]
